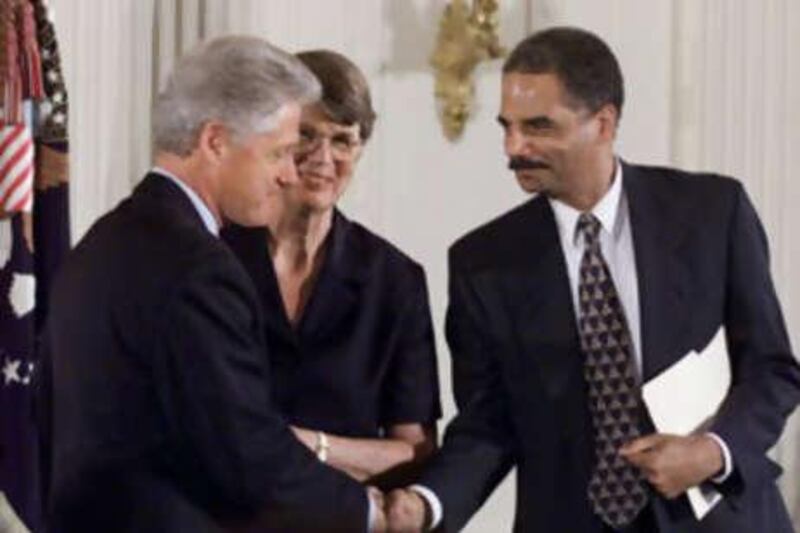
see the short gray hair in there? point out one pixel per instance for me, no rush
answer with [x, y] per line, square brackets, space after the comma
[238, 80]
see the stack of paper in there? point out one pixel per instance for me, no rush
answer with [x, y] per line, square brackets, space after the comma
[686, 396]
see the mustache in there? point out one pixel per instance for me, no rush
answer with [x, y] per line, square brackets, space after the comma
[523, 163]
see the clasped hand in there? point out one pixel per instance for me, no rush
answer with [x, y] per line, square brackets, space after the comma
[401, 510]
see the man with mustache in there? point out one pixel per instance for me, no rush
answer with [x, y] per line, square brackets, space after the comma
[561, 308]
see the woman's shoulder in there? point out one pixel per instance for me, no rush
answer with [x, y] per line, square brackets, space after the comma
[374, 250]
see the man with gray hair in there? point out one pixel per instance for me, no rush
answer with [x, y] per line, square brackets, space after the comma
[155, 393]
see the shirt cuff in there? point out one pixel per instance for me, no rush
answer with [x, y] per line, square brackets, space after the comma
[434, 504]
[371, 514]
[727, 460]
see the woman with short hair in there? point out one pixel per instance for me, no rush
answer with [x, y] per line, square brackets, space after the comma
[348, 325]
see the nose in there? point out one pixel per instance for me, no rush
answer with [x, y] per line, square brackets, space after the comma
[513, 143]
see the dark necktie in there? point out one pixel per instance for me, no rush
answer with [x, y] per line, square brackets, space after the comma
[616, 489]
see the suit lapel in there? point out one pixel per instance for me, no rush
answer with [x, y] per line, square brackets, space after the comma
[252, 250]
[540, 292]
[658, 227]
[336, 293]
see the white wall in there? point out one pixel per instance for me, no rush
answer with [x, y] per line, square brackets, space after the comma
[698, 94]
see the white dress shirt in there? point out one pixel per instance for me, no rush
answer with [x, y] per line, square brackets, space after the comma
[616, 244]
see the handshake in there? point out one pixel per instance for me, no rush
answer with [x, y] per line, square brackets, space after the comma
[401, 510]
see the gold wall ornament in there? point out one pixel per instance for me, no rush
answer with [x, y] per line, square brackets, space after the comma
[466, 37]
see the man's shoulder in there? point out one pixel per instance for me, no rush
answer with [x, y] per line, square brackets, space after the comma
[670, 180]
[159, 229]
[680, 198]
[500, 238]
[145, 248]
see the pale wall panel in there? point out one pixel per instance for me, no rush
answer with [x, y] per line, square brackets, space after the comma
[108, 79]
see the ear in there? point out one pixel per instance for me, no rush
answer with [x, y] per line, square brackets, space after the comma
[213, 141]
[608, 119]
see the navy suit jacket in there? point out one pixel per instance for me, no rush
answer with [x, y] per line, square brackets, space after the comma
[155, 394]
[702, 262]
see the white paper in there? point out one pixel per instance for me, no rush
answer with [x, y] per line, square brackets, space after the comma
[9, 521]
[686, 396]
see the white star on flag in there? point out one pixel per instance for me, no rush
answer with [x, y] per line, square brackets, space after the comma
[22, 294]
[11, 371]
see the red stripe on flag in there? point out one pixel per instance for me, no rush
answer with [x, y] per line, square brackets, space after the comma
[15, 132]
[17, 182]
[18, 155]
[19, 206]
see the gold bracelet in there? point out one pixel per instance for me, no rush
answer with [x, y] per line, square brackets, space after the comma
[322, 447]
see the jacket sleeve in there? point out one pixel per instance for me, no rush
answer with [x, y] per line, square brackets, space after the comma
[477, 450]
[212, 375]
[765, 384]
[411, 391]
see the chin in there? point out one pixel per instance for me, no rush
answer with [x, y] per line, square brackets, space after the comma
[317, 200]
[536, 181]
[529, 184]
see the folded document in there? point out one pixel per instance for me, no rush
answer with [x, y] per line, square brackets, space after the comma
[685, 397]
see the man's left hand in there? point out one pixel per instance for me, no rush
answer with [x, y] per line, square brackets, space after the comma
[673, 464]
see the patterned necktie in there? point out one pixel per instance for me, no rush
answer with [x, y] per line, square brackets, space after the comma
[616, 489]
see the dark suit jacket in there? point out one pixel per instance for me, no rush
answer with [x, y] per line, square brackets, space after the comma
[362, 356]
[701, 258]
[159, 412]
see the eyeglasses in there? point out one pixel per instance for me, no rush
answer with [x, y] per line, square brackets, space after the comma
[343, 144]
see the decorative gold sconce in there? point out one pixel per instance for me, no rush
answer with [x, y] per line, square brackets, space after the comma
[466, 37]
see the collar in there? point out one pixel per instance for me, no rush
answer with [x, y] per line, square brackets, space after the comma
[606, 210]
[350, 249]
[202, 209]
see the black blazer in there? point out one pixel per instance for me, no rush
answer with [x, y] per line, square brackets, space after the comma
[701, 257]
[362, 356]
[159, 410]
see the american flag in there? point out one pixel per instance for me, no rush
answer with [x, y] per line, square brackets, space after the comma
[34, 235]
